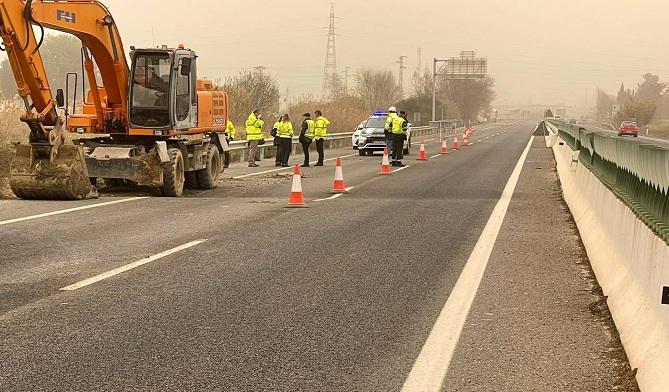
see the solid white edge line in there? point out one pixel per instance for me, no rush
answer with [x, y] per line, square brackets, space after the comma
[287, 168]
[59, 212]
[431, 366]
[127, 267]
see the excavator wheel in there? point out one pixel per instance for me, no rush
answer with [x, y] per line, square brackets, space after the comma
[191, 180]
[34, 175]
[209, 176]
[173, 174]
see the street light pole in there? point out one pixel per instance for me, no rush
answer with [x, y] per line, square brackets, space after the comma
[434, 90]
[434, 87]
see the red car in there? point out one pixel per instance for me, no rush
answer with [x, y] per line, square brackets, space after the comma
[628, 128]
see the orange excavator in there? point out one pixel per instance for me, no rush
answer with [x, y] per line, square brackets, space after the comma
[150, 122]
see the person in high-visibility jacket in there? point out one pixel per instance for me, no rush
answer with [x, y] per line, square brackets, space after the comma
[254, 135]
[387, 130]
[284, 132]
[320, 134]
[230, 135]
[307, 136]
[398, 130]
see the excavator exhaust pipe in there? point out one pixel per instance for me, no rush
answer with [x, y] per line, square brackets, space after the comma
[39, 174]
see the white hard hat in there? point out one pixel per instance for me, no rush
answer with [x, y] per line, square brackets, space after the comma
[392, 109]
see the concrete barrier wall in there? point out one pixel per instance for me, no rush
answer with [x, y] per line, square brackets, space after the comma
[631, 264]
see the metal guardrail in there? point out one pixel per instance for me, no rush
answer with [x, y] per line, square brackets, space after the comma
[333, 140]
[637, 171]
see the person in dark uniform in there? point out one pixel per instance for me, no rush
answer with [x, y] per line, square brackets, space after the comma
[306, 136]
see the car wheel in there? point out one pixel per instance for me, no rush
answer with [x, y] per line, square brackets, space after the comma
[362, 153]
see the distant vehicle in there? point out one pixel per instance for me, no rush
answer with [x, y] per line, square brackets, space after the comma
[356, 134]
[628, 128]
[373, 138]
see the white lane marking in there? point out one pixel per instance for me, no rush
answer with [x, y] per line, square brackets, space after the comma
[287, 168]
[479, 140]
[435, 156]
[401, 168]
[44, 215]
[336, 195]
[127, 267]
[331, 197]
[432, 364]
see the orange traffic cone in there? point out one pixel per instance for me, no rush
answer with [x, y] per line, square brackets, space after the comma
[385, 163]
[444, 146]
[422, 156]
[338, 185]
[296, 196]
[456, 145]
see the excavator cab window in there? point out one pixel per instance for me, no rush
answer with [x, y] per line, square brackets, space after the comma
[150, 91]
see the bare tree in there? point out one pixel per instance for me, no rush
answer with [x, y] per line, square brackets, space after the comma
[377, 88]
[251, 90]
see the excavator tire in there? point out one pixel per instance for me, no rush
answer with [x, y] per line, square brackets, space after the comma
[173, 174]
[209, 176]
[35, 176]
[191, 180]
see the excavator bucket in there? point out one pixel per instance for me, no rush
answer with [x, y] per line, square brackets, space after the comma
[36, 173]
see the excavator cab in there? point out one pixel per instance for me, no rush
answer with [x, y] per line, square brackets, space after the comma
[163, 95]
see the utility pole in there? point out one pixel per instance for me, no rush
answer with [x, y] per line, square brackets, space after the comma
[402, 68]
[330, 72]
[420, 60]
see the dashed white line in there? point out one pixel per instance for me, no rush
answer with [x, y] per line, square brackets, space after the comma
[331, 197]
[432, 364]
[127, 267]
[401, 168]
[59, 212]
[336, 195]
[286, 168]
[435, 156]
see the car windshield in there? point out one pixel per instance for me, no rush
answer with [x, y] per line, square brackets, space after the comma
[376, 122]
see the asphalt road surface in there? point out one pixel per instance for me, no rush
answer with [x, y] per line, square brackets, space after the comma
[227, 290]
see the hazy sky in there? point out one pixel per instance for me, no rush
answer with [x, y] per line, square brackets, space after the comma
[539, 51]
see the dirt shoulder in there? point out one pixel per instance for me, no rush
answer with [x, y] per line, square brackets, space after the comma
[540, 321]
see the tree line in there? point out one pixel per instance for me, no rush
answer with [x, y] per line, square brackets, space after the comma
[647, 102]
[345, 106]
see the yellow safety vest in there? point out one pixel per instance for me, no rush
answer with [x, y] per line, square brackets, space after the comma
[321, 128]
[398, 126]
[230, 129]
[389, 121]
[284, 129]
[311, 129]
[254, 128]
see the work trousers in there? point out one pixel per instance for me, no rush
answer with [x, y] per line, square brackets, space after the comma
[389, 142]
[320, 147]
[305, 148]
[285, 147]
[253, 149]
[398, 147]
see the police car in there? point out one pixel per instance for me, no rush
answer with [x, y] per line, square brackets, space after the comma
[371, 136]
[356, 134]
